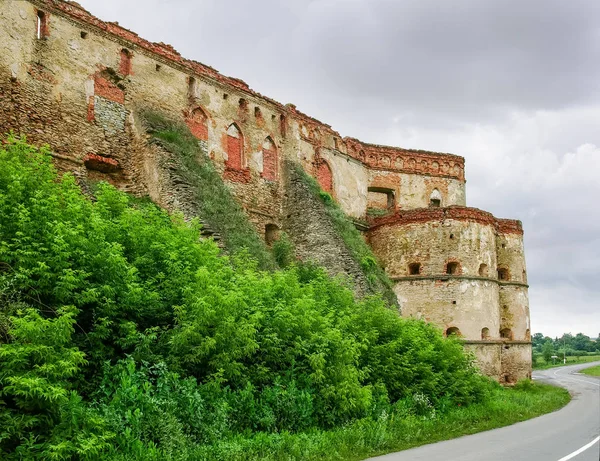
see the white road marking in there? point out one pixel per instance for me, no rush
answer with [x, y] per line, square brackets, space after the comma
[575, 379]
[581, 450]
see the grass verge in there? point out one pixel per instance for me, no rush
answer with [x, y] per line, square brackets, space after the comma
[215, 203]
[376, 277]
[592, 371]
[573, 360]
[395, 432]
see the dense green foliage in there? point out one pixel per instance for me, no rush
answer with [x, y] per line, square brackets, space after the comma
[125, 336]
[378, 280]
[215, 204]
[576, 349]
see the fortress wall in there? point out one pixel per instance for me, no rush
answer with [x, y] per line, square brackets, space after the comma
[350, 181]
[414, 190]
[469, 305]
[514, 311]
[511, 253]
[488, 358]
[433, 244]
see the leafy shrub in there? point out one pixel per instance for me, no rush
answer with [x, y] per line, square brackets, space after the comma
[169, 346]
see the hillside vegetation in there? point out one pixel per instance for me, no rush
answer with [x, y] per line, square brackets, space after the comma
[124, 336]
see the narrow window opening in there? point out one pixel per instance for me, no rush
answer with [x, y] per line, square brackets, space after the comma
[41, 25]
[504, 245]
[524, 277]
[453, 268]
[451, 236]
[158, 66]
[454, 302]
[527, 335]
[125, 64]
[282, 125]
[243, 104]
[273, 118]
[83, 34]
[414, 268]
[485, 333]
[191, 87]
[257, 113]
[503, 273]
[225, 96]
[483, 270]
[271, 234]
[335, 143]
[506, 333]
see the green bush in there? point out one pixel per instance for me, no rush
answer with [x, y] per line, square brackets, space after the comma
[123, 333]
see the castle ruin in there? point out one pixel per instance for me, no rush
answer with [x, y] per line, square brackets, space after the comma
[78, 83]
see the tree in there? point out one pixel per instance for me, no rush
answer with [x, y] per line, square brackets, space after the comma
[547, 351]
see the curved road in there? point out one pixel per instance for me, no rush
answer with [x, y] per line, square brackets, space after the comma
[559, 436]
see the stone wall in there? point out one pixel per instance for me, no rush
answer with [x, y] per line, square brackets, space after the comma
[314, 235]
[82, 85]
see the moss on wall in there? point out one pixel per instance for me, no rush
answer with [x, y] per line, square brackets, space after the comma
[206, 195]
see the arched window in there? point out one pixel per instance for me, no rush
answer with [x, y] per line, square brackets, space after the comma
[271, 233]
[453, 268]
[485, 333]
[125, 64]
[503, 273]
[269, 160]
[435, 199]
[483, 270]
[325, 176]
[235, 147]
[198, 124]
[414, 268]
[506, 333]
[453, 331]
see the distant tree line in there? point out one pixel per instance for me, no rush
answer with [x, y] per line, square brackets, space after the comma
[568, 345]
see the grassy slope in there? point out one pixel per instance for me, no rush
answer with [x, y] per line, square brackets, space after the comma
[592, 371]
[370, 438]
[216, 204]
[378, 280]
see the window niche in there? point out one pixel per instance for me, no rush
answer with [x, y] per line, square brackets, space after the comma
[414, 269]
[453, 331]
[435, 199]
[485, 333]
[483, 270]
[41, 25]
[453, 268]
[506, 333]
[503, 274]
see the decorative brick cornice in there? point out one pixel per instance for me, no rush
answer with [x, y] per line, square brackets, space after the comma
[407, 160]
[458, 213]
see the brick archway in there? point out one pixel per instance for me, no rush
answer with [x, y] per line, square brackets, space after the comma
[325, 176]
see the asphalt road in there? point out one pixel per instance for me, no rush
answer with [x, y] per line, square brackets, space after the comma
[557, 436]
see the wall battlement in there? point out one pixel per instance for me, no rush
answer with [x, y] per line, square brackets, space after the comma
[82, 85]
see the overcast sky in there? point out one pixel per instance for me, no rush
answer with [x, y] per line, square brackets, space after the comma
[511, 85]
